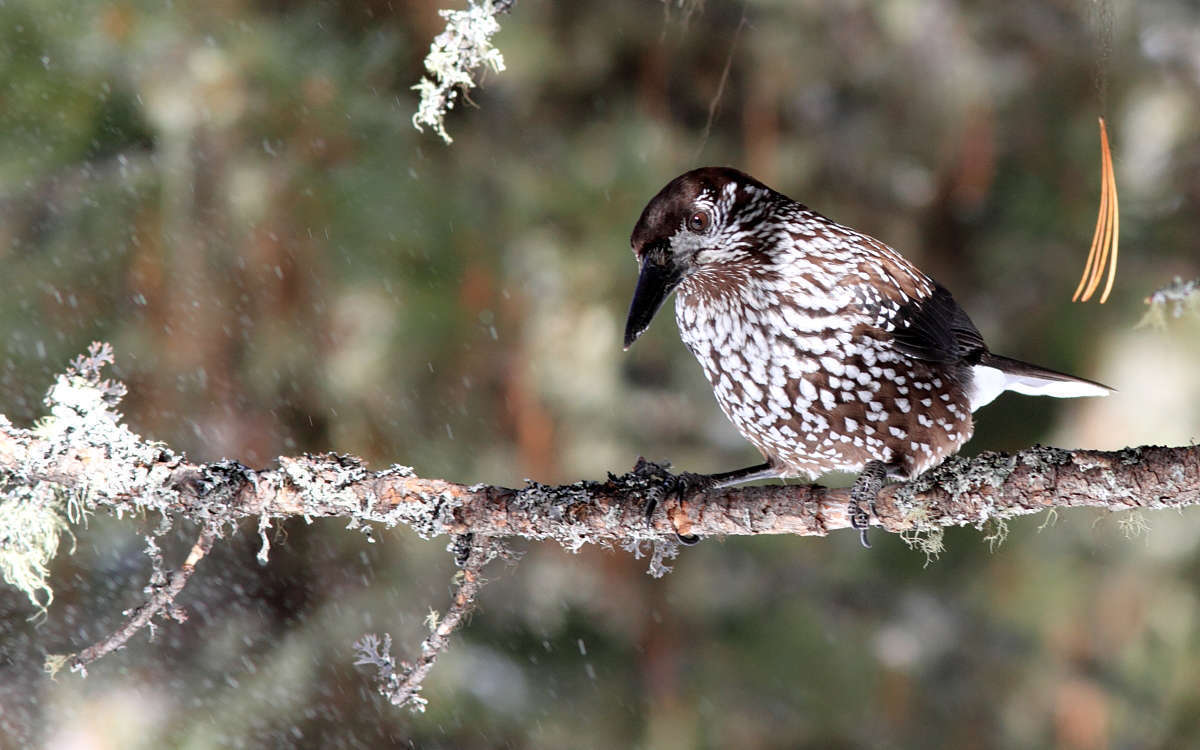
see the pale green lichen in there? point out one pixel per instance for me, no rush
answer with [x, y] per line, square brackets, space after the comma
[32, 520]
[1050, 519]
[927, 539]
[921, 535]
[54, 663]
[1175, 298]
[34, 512]
[1132, 524]
[996, 532]
[957, 476]
[455, 54]
[326, 479]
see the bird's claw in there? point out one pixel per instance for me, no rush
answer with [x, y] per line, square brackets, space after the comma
[862, 498]
[682, 486]
[657, 481]
[861, 519]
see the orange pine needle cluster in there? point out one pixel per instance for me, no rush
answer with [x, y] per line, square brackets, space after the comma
[1105, 238]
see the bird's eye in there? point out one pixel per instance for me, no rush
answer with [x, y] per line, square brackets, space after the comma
[698, 221]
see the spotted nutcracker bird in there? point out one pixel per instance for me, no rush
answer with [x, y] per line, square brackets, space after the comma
[827, 349]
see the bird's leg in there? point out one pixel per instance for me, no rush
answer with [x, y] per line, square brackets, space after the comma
[739, 476]
[686, 484]
[863, 493]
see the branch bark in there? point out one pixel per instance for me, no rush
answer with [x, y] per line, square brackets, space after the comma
[81, 458]
[960, 492]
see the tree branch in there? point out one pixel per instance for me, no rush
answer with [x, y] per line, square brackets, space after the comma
[960, 492]
[81, 458]
[161, 598]
[402, 686]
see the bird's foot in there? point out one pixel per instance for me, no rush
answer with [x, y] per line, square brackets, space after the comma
[687, 485]
[656, 480]
[682, 486]
[862, 498]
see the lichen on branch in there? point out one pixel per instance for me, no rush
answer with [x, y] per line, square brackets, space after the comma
[82, 458]
[1174, 300]
[34, 508]
[464, 47]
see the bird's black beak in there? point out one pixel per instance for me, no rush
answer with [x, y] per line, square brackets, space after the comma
[658, 278]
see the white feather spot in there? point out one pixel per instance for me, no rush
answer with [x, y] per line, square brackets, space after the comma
[808, 390]
[833, 365]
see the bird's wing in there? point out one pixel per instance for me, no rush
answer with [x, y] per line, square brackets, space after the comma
[936, 329]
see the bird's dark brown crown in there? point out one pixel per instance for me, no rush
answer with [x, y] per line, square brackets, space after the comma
[668, 211]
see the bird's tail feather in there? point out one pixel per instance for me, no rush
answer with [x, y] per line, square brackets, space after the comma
[1032, 380]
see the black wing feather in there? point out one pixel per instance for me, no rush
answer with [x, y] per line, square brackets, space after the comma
[936, 329]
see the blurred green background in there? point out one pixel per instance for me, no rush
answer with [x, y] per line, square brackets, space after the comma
[232, 194]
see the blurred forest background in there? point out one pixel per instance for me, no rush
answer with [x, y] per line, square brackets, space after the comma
[233, 195]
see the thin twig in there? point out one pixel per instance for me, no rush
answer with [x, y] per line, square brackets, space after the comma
[161, 599]
[402, 687]
[715, 102]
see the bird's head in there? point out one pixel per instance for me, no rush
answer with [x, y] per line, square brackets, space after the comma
[701, 219]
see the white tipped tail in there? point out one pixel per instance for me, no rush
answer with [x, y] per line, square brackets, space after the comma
[994, 375]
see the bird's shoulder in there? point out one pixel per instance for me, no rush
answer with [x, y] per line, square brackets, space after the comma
[885, 291]
[813, 254]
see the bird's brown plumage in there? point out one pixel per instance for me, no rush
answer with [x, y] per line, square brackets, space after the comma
[826, 348]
